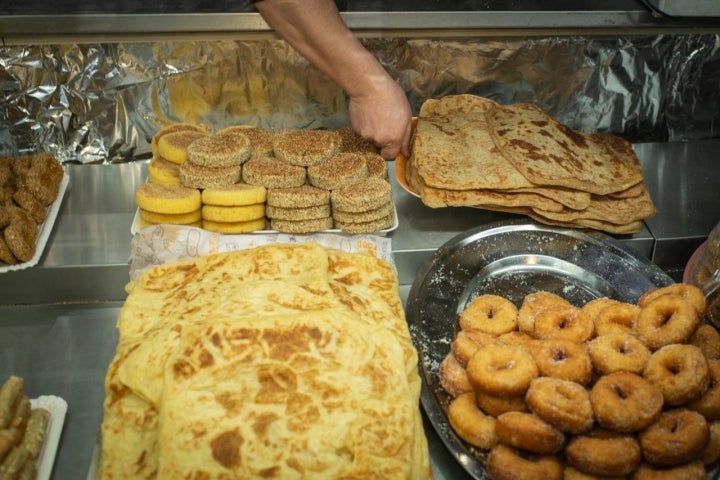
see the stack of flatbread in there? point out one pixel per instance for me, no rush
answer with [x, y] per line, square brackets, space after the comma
[283, 361]
[470, 151]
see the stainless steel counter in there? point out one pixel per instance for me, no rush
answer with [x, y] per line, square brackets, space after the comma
[57, 320]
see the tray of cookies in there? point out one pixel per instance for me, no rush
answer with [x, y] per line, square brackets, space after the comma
[250, 180]
[32, 188]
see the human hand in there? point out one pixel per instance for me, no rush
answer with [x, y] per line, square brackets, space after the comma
[383, 116]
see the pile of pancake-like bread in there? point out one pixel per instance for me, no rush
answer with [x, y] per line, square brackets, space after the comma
[244, 179]
[29, 184]
[286, 361]
[22, 431]
[471, 151]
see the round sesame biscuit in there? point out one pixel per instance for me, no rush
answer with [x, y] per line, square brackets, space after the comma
[20, 239]
[338, 171]
[377, 166]
[271, 172]
[175, 127]
[198, 176]
[301, 226]
[298, 197]
[160, 198]
[27, 201]
[353, 142]
[243, 213]
[235, 227]
[261, 139]
[173, 146]
[171, 218]
[369, 194]
[362, 217]
[219, 151]
[234, 195]
[162, 171]
[306, 147]
[304, 213]
[367, 227]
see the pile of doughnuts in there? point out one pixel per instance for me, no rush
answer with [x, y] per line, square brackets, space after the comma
[29, 184]
[551, 390]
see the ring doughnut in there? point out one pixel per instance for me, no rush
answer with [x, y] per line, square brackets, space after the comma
[467, 342]
[470, 423]
[527, 431]
[678, 436]
[707, 339]
[501, 370]
[452, 376]
[491, 314]
[562, 358]
[593, 308]
[712, 449]
[496, 406]
[625, 402]
[708, 404]
[517, 338]
[691, 471]
[614, 352]
[604, 453]
[563, 404]
[572, 473]
[569, 323]
[617, 318]
[679, 371]
[534, 303]
[689, 292]
[507, 463]
[665, 320]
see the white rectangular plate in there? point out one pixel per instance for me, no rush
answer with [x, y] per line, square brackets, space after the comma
[45, 230]
[58, 409]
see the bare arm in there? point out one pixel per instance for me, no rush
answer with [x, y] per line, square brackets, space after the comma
[378, 108]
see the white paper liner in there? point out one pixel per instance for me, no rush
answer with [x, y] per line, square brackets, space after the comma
[57, 408]
[45, 230]
[159, 244]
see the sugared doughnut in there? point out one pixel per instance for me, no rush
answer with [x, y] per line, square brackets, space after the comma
[501, 370]
[507, 463]
[572, 473]
[708, 403]
[492, 314]
[470, 423]
[452, 376]
[677, 437]
[617, 318]
[467, 342]
[689, 292]
[562, 403]
[625, 402]
[527, 431]
[569, 323]
[497, 405]
[707, 339]
[517, 338]
[679, 371]
[712, 449]
[665, 320]
[534, 303]
[562, 358]
[604, 453]
[614, 352]
[593, 308]
[691, 471]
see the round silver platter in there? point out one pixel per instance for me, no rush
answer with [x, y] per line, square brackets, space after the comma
[511, 260]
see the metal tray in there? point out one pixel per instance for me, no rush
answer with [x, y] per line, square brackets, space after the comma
[512, 260]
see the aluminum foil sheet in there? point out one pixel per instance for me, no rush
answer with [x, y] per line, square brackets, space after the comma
[101, 103]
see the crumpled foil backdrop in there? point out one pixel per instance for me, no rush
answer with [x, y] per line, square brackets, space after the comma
[101, 103]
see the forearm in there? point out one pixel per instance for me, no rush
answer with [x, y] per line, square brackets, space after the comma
[315, 29]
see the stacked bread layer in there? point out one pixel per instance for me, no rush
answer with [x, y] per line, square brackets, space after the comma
[308, 181]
